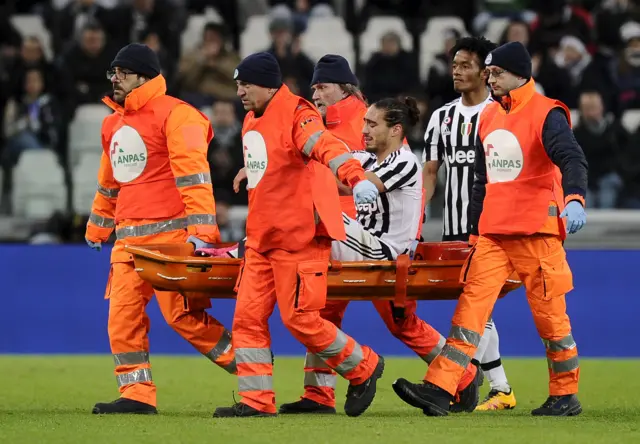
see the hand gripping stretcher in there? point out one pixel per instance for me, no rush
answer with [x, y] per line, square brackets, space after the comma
[433, 274]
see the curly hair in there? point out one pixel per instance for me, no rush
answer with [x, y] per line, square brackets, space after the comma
[479, 46]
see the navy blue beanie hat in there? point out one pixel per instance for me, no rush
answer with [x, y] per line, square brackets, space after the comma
[333, 69]
[138, 58]
[260, 69]
[513, 57]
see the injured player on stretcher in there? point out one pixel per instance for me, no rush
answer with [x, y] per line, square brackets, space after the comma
[383, 230]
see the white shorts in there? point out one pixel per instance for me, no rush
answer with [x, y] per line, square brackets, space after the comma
[360, 245]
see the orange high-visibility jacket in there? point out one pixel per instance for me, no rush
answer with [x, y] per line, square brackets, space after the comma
[154, 176]
[345, 120]
[524, 187]
[289, 159]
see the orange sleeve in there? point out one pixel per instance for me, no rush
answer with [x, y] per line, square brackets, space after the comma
[102, 218]
[188, 135]
[315, 141]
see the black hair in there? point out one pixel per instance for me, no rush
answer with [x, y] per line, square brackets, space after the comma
[479, 46]
[403, 112]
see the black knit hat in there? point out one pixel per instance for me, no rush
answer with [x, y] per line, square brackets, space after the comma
[260, 69]
[333, 68]
[513, 57]
[138, 58]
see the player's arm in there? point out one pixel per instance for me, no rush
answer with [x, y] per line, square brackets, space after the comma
[315, 141]
[432, 156]
[478, 190]
[564, 151]
[188, 135]
[102, 217]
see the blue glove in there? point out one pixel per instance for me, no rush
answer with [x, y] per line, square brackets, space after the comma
[94, 245]
[198, 243]
[365, 192]
[576, 217]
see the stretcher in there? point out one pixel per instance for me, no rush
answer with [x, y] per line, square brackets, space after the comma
[433, 274]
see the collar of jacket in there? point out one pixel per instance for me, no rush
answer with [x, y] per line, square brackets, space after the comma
[344, 109]
[140, 96]
[517, 98]
[282, 91]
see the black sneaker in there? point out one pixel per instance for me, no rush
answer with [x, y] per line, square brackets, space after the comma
[469, 397]
[360, 397]
[430, 398]
[306, 405]
[124, 405]
[240, 410]
[567, 405]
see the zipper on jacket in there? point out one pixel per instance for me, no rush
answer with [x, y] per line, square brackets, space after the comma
[295, 303]
[466, 271]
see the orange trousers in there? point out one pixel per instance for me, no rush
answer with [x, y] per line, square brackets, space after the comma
[541, 263]
[297, 282]
[128, 297]
[422, 338]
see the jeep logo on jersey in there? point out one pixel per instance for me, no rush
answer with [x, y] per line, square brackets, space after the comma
[255, 157]
[367, 208]
[503, 156]
[128, 154]
[461, 157]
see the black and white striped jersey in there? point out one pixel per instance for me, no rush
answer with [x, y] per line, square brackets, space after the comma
[395, 216]
[450, 138]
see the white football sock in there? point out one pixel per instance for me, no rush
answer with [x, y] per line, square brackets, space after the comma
[484, 341]
[491, 364]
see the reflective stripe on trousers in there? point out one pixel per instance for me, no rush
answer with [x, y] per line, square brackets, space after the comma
[429, 357]
[564, 344]
[254, 356]
[135, 376]
[325, 378]
[165, 226]
[221, 348]
[337, 347]
[460, 334]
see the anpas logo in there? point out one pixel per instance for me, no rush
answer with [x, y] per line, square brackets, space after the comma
[503, 156]
[255, 157]
[128, 154]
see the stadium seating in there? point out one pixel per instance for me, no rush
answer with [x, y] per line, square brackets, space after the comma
[85, 130]
[39, 187]
[33, 25]
[432, 39]
[84, 176]
[328, 35]
[631, 119]
[376, 28]
[255, 37]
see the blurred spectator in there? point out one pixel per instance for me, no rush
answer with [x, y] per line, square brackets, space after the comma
[603, 141]
[295, 65]
[573, 57]
[83, 65]
[206, 73]
[439, 80]
[31, 57]
[30, 122]
[128, 21]
[516, 31]
[390, 71]
[609, 18]
[556, 19]
[151, 38]
[553, 81]
[617, 78]
[225, 150]
[66, 24]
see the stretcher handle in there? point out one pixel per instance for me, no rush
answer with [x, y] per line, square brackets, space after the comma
[402, 273]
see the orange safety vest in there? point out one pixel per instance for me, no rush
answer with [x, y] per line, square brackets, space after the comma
[291, 198]
[524, 187]
[147, 184]
[345, 120]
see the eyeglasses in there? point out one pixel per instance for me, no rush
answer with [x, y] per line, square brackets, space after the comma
[120, 75]
[497, 73]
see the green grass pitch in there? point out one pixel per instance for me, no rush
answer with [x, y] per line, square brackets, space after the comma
[48, 399]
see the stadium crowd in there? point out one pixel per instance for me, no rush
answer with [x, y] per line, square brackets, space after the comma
[585, 53]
